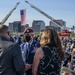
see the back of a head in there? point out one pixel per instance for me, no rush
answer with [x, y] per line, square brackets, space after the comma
[50, 37]
[3, 29]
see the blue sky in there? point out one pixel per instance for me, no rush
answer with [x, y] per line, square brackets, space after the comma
[58, 9]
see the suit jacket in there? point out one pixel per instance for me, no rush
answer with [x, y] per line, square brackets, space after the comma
[11, 62]
[31, 56]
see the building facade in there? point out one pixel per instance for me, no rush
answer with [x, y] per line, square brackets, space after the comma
[16, 27]
[38, 25]
[63, 23]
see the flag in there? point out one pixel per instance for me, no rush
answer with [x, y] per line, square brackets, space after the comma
[23, 17]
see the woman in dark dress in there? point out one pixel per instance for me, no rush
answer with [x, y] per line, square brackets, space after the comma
[48, 58]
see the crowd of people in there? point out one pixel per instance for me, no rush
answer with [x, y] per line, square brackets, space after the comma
[30, 55]
[69, 53]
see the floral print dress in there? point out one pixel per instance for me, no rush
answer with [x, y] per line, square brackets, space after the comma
[49, 64]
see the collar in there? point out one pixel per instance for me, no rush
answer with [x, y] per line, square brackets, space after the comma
[30, 43]
[5, 39]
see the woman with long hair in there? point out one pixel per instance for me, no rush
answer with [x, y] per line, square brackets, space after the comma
[48, 58]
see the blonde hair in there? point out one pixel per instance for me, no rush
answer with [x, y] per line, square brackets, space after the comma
[50, 37]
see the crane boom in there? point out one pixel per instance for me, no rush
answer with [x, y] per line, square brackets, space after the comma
[7, 16]
[42, 12]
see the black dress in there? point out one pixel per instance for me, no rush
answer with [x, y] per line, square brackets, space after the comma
[49, 64]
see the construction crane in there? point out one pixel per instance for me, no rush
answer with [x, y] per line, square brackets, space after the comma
[8, 15]
[42, 12]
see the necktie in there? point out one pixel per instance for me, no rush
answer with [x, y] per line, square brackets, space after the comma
[27, 53]
[28, 46]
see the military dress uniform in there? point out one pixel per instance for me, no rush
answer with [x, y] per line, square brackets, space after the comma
[29, 50]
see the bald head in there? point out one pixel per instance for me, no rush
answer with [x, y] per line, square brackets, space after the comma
[3, 29]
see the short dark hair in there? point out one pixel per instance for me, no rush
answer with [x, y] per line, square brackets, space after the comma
[3, 29]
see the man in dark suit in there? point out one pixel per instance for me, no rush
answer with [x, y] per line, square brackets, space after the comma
[11, 62]
[30, 48]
